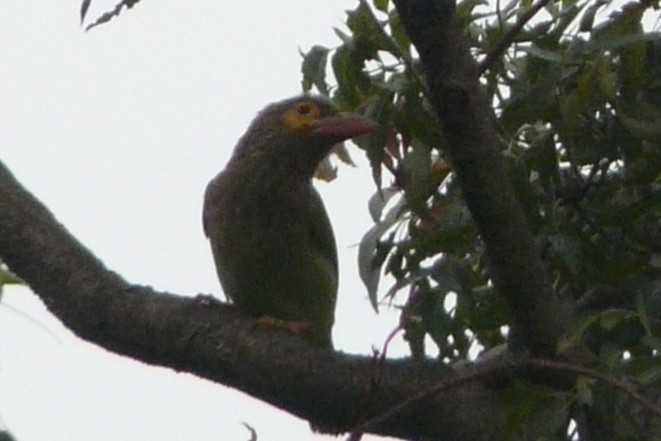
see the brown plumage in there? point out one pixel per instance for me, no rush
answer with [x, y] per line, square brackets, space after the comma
[270, 235]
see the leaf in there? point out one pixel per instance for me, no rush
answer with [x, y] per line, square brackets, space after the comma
[544, 54]
[643, 317]
[378, 201]
[449, 228]
[447, 272]
[653, 343]
[379, 108]
[642, 129]
[417, 172]
[314, 69]
[398, 83]
[583, 390]
[345, 38]
[578, 331]
[645, 369]
[9, 278]
[347, 68]
[340, 150]
[613, 317]
[622, 22]
[545, 159]
[107, 16]
[398, 32]
[381, 5]
[534, 412]
[563, 20]
[466, 7]
[84, 7]
[416, 120]
[325, 170]
[369, 273]
[368, 269]
[6, 436]
[253, 432]
[367, 30]
[587, 20]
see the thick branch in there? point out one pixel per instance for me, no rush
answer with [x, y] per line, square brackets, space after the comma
[335, 392]
[464, 112]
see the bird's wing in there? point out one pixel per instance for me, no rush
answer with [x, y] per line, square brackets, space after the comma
[211, 203]
[321, 233]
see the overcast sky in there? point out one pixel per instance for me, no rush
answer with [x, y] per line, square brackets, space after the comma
[117, 131]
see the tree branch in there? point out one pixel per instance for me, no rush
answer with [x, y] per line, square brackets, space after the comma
[465, 114]
[333, 391]
[509, 37]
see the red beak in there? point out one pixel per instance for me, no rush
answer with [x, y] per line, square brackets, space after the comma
[343, 126]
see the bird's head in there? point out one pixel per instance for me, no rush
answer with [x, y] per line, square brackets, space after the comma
[299, 132]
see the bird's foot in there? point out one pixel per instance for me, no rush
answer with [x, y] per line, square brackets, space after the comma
[285, 325]
[207, 300]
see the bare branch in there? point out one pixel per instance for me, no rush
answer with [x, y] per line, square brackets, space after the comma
[509, 37]
[209, 339]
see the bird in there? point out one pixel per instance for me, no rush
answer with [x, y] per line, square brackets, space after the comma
[271, 238]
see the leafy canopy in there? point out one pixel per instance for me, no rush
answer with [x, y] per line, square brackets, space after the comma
[577, 107]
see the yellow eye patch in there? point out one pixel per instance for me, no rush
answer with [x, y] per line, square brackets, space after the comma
[302, 116]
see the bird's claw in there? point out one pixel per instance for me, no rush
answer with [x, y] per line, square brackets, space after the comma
[207, 300]
[286, 325]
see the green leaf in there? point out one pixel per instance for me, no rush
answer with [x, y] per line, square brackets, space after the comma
[583, 389]
[348, 65]
[370, 273]
[587, 20]
[381, 5]
[645, 370]
[398, 32]
[545, 158]
[653, 343]
[643, 318]
[642, 129]
[466, 7]
[416, 120]
[379, 108]
[9, 278]
[417, 172]
[369, 267]
[314, 69]
[562, 20]
[378, 201]
[577, 332]
[451, 274]
[345, 38]
[368, 31]
[544, 54]
[613, 317]
[534, 412]
[622, 22]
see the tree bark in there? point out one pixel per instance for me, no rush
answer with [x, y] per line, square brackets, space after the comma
[335, 392]
[466, 117]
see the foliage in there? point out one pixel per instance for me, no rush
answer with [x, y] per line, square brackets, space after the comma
[577, 108]
[106, 16]
[7, 277]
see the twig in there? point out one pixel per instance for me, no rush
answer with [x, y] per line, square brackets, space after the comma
[506, 367]
[509, 37]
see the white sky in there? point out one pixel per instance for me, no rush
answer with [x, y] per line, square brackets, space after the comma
[118, 131]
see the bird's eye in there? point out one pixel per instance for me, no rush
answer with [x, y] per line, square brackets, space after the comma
[302, 116]
[304, 109]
